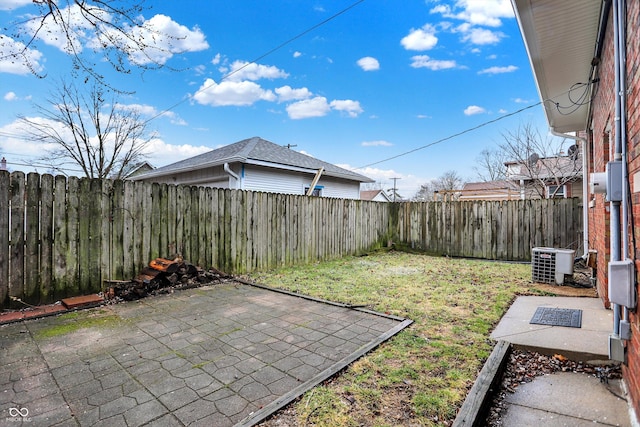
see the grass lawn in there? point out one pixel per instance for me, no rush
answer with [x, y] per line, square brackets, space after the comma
[421, 376]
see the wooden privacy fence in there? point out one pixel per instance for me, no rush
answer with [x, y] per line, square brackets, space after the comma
[66, 236]
[62, 237]
[502, 230]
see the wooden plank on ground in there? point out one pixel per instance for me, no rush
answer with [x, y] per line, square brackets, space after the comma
[472, 412]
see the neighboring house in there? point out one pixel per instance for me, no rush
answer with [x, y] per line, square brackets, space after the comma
[585, 57]
[490, 190]
[259, 165]
[540, 178]
[548, 177]
[375, 196]
[139, 169]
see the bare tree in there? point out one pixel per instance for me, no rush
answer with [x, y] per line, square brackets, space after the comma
[491, 165]
[442, 188]
[542, 164]
[113, 27]
[101, 137]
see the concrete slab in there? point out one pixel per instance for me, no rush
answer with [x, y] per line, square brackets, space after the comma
[222, 355]
[564, 398]
[590, 342]
[567, 399]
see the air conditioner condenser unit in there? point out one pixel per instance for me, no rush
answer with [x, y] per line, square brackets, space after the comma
[551, 265]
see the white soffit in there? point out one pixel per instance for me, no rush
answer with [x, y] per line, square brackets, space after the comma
[560, 37]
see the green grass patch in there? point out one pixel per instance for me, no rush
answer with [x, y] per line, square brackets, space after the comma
[420, 376]
[74, 321]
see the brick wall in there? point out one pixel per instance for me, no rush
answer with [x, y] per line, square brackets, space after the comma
[603, 125]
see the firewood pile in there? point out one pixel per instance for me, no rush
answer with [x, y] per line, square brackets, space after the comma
[163, 276]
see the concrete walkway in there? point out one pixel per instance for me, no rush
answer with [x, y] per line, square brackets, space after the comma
[222, 355]
[564, 399]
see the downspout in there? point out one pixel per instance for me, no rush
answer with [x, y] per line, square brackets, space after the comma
[618, 209]
[585, 189]
[231, 173]
[622, 66]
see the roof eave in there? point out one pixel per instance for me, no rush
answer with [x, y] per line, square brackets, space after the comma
[560, 39]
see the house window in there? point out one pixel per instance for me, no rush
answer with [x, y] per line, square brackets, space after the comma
[556, 191]
[317, 191]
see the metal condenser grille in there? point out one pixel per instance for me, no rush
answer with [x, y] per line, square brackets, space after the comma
[543, 266]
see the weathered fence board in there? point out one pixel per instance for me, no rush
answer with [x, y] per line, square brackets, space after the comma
[4, 235]
[17, 227]
[506, 230]
[63, 237]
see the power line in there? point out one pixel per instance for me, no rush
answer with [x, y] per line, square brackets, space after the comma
[264, 55]
[574, 103]
[451, 136]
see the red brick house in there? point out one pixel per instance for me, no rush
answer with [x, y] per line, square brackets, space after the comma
[585, 56]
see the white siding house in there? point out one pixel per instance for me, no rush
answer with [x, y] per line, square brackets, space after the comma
[259, 165]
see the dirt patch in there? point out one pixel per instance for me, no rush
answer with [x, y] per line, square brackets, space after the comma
[565, 291]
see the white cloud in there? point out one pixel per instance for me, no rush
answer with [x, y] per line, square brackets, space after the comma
[160, 153]
[314, 107]
[424, 61]
[69, 40]
[482, 36]
[488, 13]
[10, 96]
[16, 58]
[162, 35]
[474, 109]
[243, 70]
[13, 4]
[165, 38]
[319, 107]
[498, 70]
[297, 54]
[378, 143]
[231, 93]
[287, 93]
[407, 185]
[216, 59]
[421, 39]
[20, 144]
[368, 63]
[351, 108]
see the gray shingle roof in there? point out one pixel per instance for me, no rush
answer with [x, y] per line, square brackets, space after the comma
[255, 149]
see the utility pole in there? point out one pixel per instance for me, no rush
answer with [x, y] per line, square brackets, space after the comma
[395, 189]
[289, 145]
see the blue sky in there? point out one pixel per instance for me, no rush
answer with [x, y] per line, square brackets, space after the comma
[381, 79]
